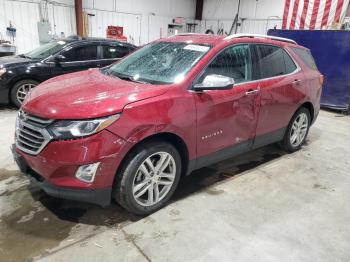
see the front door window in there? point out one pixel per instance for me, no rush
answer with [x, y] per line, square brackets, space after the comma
[81, 53]
[234, 62]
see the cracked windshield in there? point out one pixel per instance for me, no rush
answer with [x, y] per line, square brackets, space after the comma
[159, 63]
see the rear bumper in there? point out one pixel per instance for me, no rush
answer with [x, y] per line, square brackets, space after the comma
[315, 117]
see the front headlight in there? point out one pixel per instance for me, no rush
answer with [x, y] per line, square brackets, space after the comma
[68, 129]
[2, 71]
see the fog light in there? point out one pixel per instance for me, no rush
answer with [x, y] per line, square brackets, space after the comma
[86, 173]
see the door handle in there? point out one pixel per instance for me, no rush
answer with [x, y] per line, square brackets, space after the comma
[296, 82]
[252, 92]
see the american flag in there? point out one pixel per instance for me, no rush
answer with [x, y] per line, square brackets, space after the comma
[313, 14]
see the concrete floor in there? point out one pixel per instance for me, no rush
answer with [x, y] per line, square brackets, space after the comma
[262, 206]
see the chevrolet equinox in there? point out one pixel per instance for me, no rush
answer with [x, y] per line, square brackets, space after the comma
[129, 131]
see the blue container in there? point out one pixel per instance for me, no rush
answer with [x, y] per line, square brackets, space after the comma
[331, 50]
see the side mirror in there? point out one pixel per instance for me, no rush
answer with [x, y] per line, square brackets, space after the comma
[215, 82]
[59, 58]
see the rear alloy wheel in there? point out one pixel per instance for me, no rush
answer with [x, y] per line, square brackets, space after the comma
[20, 90]
[149, 178]
[297, 131]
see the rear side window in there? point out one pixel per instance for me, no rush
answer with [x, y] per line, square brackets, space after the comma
[274, 61]
[114, 51]
[289, 63]
[306, 56]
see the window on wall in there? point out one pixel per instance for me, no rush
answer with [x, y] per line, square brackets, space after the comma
[234, 62]
[274, 61]
[114, 51]
[81, 53]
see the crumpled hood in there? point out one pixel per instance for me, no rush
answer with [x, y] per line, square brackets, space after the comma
[86, 94]
[11, 61]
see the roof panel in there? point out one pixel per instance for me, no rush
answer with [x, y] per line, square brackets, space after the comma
[195, 39]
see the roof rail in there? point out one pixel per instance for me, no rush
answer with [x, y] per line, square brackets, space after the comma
[261, 36]
[184, 34]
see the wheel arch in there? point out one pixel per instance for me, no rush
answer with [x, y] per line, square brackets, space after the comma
[24, 77]
[169, 137]
[309, 106]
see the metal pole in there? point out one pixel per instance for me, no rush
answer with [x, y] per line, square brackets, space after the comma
[237, 16]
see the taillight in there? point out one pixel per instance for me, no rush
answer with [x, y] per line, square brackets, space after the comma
[321, 79]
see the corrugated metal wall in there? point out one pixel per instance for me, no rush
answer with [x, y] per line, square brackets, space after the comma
[259, 26]
[168, 8]
[62, 19]
[254, 26]
[258, 15]
[24, 16]
[131, 22]
[249, 9]
[139, 28]
[19, 14]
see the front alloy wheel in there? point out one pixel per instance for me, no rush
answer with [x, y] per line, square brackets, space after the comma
[154, 179]
[21, 89]
[148, 177]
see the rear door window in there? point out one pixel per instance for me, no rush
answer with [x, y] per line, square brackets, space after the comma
[274, 61]
[306, 56]
[114, 51]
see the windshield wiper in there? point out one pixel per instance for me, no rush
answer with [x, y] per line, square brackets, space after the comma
[24, 56]
[126, 77]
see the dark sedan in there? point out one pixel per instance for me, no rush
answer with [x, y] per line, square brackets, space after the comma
[19, 74]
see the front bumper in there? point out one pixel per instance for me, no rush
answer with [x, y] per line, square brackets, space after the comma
[54, 168]
[4, 91]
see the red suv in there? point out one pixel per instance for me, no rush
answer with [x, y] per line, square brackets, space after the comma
[129, 131]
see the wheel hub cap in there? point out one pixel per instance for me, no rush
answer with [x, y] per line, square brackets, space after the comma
[23, 91]
[154, 179]
[299, 130]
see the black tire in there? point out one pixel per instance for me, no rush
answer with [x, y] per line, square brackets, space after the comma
[347, 111]
[16, 87]
[123, 185]
[286, 142]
